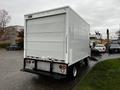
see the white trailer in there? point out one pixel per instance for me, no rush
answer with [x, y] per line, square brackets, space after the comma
[55, 42]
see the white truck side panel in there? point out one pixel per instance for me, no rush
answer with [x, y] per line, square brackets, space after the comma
[78, 37]
[46, 37]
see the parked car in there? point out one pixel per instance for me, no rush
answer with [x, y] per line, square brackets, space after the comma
[114, 48]
[14, 47]
[100, 48]
[95, 52]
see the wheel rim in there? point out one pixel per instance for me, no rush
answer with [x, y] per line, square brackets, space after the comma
[74, 71]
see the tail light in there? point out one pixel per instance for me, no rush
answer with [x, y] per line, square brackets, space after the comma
[63, 67]
[29, 61]
[33, 61]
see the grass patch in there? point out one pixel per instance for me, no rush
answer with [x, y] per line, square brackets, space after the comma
[104, 76]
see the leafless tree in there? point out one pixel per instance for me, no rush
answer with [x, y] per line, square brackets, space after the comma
[4, 19]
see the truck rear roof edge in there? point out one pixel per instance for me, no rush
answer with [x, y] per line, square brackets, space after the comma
[47, 10]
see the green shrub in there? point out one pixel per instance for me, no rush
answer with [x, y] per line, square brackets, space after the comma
[4, 45]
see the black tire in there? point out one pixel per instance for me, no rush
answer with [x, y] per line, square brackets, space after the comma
[72, 72]
[86, 61]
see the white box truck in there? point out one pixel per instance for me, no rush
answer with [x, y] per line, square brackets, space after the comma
[55, 42]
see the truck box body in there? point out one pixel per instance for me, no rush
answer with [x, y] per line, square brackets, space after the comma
[57, 36]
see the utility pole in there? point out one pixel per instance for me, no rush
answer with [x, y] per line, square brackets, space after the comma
[107, 35]
[107, 46]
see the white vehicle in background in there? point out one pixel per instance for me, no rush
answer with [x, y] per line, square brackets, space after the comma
[100, 48]
[55, 42]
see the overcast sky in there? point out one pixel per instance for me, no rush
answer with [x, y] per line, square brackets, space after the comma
[100, 14]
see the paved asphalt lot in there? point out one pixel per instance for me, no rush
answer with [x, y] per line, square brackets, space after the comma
[11, 78]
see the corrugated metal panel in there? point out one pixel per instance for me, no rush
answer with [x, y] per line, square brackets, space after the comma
[78, 39]
[46, 37]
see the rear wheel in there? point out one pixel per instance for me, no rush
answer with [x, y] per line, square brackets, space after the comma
[86, 61]
[73, 71]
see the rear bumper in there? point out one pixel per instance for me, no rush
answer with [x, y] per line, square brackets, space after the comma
[40, 72]
[51, 70]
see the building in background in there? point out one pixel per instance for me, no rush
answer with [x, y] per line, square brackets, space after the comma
[11, 33]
